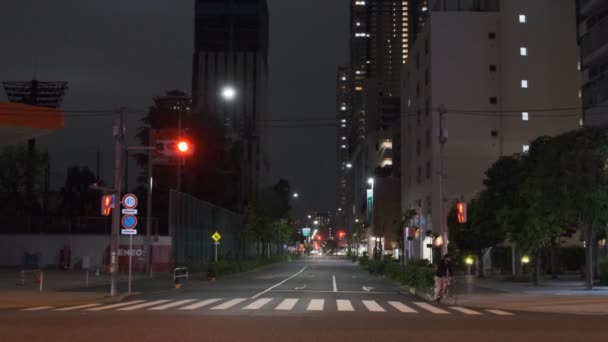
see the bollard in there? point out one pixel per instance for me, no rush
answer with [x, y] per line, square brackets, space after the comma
[41, 280]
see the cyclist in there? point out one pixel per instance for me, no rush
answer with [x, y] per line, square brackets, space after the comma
[443, 276]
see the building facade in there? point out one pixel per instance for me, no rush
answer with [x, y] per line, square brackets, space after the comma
[230, 81]
[485, 78]
[593, 40]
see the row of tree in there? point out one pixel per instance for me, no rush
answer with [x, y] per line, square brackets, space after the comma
[558, 187]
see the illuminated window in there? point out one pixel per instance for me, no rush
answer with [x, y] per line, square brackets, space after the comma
[525, 116]
[526, 148]
[386, 162]
[522, 18]
[524, 84]
[523, 51]
[343, 108]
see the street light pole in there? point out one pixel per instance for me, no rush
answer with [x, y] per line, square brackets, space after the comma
[114, 239]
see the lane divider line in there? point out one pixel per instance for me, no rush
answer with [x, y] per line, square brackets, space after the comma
[279, 284]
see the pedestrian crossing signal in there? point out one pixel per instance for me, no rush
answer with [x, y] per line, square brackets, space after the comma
[106, 205]
[461, 211]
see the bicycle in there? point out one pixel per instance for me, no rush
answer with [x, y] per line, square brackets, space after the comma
[446, 297]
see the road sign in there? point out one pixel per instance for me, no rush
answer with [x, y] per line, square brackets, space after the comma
[216, 236]
[129, 211]
[305, 232]
[129, 201]
[129, 222]
[128, 231]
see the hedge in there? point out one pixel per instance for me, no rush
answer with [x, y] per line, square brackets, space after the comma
[418, 274]
[604, 271]
[224, 267]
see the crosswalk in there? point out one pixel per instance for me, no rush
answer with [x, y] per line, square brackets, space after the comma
[284, 305]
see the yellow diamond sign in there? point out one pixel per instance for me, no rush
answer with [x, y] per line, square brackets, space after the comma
[216, 236]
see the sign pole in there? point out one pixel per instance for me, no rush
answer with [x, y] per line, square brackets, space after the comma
[216, 243]
[130, 257]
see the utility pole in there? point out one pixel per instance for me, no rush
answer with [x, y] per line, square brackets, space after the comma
[114, 240]
[443, 139]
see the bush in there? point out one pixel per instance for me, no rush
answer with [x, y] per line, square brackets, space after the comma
[375, 267]
[354, 258]
[604, 271]
[417, 274]
[224, 267]
[363, 260]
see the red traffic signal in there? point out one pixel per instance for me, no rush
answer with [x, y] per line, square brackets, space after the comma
[175, 148]
[106, 205]
[341, 234]
[461, 212]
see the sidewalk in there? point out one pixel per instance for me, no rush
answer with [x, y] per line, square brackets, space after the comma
[70, 288]
[552, 296]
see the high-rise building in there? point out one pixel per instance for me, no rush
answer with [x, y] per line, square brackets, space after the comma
[486, 78]
[230, 81]
[593, 40]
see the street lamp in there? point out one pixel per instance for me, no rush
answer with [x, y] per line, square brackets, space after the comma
[370, 181]
[309, 217]
[228, 93]
[349, 166]
[316, 222]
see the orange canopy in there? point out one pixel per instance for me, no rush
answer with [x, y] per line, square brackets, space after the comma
[19, 122]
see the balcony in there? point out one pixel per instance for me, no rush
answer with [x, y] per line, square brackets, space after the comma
[595, 92]
[594, 45]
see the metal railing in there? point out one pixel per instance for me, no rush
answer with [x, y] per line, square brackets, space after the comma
[38, 278]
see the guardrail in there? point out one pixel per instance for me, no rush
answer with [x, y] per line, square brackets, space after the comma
[180, 272]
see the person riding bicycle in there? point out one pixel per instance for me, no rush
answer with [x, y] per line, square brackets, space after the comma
[443, 276]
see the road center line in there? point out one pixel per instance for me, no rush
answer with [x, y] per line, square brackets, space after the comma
[335, 286]
[279, 284]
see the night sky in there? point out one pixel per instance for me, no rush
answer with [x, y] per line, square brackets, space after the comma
[124, 52]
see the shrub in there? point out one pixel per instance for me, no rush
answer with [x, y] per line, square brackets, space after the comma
[363, 260]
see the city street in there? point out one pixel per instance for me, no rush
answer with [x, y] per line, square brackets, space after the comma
[313, 299]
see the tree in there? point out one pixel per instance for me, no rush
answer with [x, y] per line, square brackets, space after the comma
[481, 230]
[22, 180]
[78, 198]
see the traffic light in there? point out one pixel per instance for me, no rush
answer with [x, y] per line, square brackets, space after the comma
[175, 148]
[341, 234]
[461, 211]
[106, 205]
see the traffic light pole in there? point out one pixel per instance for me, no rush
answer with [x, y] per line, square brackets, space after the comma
[114, 240]
[443, 139]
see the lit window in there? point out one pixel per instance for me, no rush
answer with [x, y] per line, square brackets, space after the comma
[343, 146]
[343, 126]
[358, 88]
[522, 18]
[526, 148]
[387, 144]
[343, 78]
[580, 122]
[580, 94]
[360, 3]
[525, 116]
[523, 51]
[524, 84]
[386, 162]
[343, 120]
[358, 24]
[343, 138]
[343, 108]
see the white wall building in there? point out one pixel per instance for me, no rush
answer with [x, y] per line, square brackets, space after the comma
[502, 70]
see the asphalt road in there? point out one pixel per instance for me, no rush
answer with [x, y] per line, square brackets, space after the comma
[316, 299]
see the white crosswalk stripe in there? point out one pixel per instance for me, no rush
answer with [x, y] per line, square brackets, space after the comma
[287, 304]
[77, 307]
[402, 307]
[114, 306]
[143, 305]
[229, 304]
[465, 310]
[499, 312]
[257, 304]
[201, 304]
[431, 308]
[344, 305]
[39, 308]
[172, 305]
[316, 305]
[373, 306]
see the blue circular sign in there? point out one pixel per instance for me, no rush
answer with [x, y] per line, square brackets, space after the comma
[129, 221]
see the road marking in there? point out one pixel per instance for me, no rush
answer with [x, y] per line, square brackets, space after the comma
[366, 289]
[287, 304]
[113, 306]
[39, 308]
[279, 284]
[334, 281]
[172, 305]
[465, 310]
[77, 307]
[500, 312]
[431, 308]
[402, 307]
[257, 304]
[331, 291]
[143, 305]
[344, 305]
[373, 306]
[300, 287]
[316, 305]
[229, 304]
[201, 304]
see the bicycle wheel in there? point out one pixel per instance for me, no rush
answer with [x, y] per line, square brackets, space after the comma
[430, 293]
